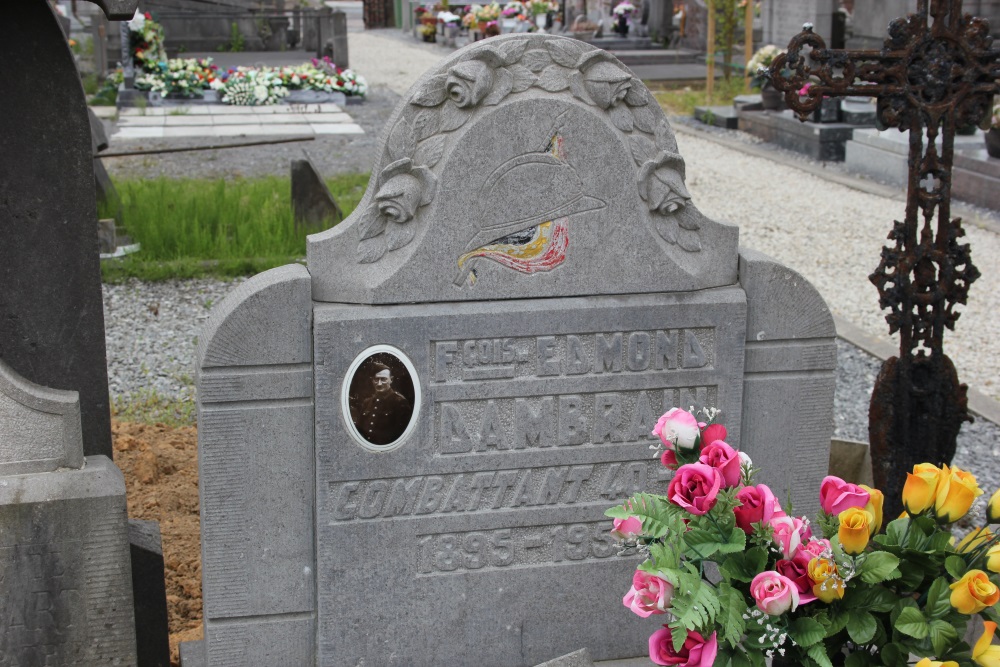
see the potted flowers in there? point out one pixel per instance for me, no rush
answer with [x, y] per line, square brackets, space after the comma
[756, 68]
[993, 134]
[623, 13]
[738, 580]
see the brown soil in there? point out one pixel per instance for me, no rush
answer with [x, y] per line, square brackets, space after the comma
[160, 465]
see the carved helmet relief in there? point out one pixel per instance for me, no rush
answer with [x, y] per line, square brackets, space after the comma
[516, 153]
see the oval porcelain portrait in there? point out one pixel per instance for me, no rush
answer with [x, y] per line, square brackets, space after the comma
[380, 398]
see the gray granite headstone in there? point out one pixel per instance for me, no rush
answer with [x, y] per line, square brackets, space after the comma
[64, 550]
[783, 19]
[313, 204]
[51, 314]
[406, 449]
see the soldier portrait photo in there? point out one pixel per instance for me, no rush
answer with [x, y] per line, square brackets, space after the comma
[381, 399]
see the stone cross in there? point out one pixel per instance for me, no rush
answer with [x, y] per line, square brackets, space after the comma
[937, 72]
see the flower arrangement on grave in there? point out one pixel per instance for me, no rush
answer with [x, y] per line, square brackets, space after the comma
[250, 86]
[739, 579]
[759, 63]
[487, 13]
[186, 77]
[514, 9]
[539, 7]
[469, 18]
[995, 118]
[623, 9]
[146, 42]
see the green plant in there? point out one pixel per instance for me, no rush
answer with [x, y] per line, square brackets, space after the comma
[237, 42]
[190, 228]
[148, 406]
[91, 83]
[682, 101]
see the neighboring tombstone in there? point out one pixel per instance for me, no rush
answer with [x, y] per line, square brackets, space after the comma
[870, 19]
[51, 314]
[783, 19]
[313, 205]
[694, 25]
[661, 20]
[149, 591]
[426, 424]
[64, 558]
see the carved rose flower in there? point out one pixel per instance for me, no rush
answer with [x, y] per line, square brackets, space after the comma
[469, 82]
[661, 183]
[607, 84]
[399, 197]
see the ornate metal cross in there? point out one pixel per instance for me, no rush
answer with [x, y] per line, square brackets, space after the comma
[937, 72]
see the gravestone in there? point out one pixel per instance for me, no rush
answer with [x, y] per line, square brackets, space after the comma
[425, 426]
[870, 19]
[51, 314]
[149, 593]
[64, 555]
[783, 19]
[313, 205]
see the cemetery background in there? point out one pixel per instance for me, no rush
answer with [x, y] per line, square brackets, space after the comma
[790, 222]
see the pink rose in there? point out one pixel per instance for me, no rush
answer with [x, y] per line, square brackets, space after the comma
[758, 505]
[818, 548]
[695, 487]
[649, 594]
[789, 533]
[713, 432]
[627, 529]
[836, 495]
[723, 458]
[677, 428]
[797, 571]
[775, 593]
[696, 651]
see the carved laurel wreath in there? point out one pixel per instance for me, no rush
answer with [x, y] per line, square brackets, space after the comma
[488, 76]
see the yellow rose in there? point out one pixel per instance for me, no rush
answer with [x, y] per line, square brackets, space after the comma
[927, 662]
[921, 488]
[827, 584]
[976, 538]
[956, 492]
[973, 593]
[855, 529]
[875, 500]
[984, 652]
[993, 508]
[993, 558]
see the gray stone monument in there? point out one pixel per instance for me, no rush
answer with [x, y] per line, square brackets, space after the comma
[313, 204]
[406, 449]
[870, 21]
[783, 19]
[64, 548]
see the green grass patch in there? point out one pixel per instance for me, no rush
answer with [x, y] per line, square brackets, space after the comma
[681, 101]
[149, 407]
[191, 228]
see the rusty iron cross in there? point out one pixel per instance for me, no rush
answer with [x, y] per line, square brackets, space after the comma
[937, 72]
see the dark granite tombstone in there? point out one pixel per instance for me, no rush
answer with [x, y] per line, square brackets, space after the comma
[149, 593]
[313, 205]
[51, 314]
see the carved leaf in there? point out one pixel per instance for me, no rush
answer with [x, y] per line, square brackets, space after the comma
[536, 60]
[643, 149]
[667, 228]
[689, 240]
[428, 184]
[523, 78]
[429, 152]
[371, 250]
[511, 52]
[664, 136]
[553, 79]
[621, 116]
[637, 95]
[425, 124]
[398, 235]
[687, 217]
[564, 52]
[578, 89]
[503, 83]
[371, 225]
[453, 117]
[401, 142]
[645, 118]
[432, 93]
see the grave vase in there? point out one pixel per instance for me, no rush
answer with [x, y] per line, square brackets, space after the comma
[770, 98]
[992, 137]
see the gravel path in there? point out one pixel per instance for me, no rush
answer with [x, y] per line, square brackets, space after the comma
[830, 233]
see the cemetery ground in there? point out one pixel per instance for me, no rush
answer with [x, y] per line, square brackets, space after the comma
[824, 223]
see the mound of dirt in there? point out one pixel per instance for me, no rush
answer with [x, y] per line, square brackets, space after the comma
[160, 465]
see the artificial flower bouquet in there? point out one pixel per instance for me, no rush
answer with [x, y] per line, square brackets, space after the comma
[759, 62]
[739, 579]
